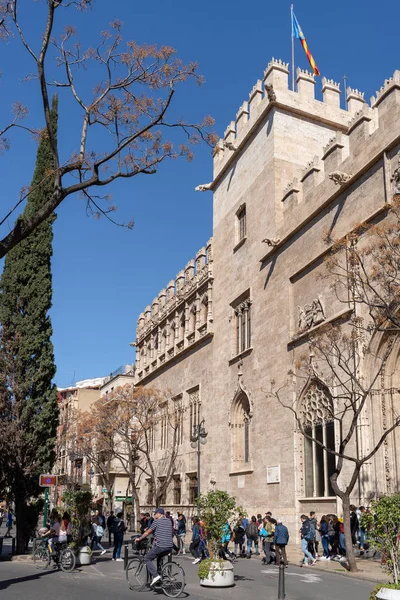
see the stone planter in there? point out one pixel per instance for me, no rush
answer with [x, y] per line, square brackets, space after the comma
[219, 577]
[84, 556]
[388, 594]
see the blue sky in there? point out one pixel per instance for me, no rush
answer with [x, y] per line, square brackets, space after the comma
[103, 275]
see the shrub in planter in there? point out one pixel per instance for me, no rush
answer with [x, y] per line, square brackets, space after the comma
[216, 509]
[383, 526]
[390, 586]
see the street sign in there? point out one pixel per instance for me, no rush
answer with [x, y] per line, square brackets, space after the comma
[47, 480]
[105, 491]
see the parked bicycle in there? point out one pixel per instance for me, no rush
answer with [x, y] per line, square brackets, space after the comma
[172, 581]
[62, 556]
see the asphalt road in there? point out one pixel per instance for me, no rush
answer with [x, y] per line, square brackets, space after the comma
[105, 580]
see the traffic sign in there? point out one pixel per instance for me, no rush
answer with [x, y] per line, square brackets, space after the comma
[47, 480]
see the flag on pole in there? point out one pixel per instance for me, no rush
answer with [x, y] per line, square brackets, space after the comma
[297, 32]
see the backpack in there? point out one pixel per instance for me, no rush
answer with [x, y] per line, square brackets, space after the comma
[118, 526]
[252, 531]
[100, 531]
[310, 534]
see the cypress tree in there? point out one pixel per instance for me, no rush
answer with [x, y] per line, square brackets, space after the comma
[28, 403]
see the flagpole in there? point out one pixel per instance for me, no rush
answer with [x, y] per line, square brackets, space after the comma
[345, 86]
[291, 18]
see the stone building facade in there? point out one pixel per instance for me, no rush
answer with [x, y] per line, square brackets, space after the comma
[289, 169]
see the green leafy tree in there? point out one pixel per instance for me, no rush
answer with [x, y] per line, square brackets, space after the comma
[78, 504]
[216, 509]
[383, 526]
[28, 398]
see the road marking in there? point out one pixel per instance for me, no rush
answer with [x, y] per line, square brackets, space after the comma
[305, 577]
[97, 571]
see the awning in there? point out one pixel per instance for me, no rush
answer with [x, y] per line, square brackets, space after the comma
[99, 500]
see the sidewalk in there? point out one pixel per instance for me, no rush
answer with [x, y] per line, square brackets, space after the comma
[368, 568]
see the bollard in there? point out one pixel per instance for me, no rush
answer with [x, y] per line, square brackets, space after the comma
[13, 546]
[281, 584]
[1, 546]
[126, 557]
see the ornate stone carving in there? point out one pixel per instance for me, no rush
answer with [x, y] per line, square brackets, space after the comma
[311, 314]
[316, 406]
[269, 90]
[230, 146]
[395, 178]
[203, 187]
[272, 242]
[339, 178]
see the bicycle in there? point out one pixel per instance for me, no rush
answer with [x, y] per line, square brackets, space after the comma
[172, 581]
[63, 556]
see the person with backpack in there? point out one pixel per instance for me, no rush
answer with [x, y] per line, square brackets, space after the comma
[97, 534]
[324, 533]
[118, 529]
[268, 539]
[181, 532]
[281, 540]
[307, 533]
[195, 540]
[238, 538]
[252, 536]
[110, 522]
[313, 546]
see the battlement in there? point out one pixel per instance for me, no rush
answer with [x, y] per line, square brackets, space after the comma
[273, 91]
[179, 316]
[371, 134]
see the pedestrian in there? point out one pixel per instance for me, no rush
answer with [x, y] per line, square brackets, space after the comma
[323, 531]
[361, 529]
[118, 530]
[97, 534]
[181, 533]
[171, 519]
[9, 522]
[354, 524]
[342, 542]
[307, 535]
[252, 536]
[1, 516]
[226, 538]
[268, 539]
[281, 540]
[110, 523]
[202, 547]
[313, 546]
[101, 518]
[195, 541]
[238, 538]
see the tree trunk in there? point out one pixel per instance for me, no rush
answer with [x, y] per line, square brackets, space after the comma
[22, 536]
[136, 508]
[347, 533]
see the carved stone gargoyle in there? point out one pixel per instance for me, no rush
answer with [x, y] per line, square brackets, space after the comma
[339, 178]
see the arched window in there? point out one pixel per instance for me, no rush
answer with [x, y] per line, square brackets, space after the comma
[316, 414]
[240, 430]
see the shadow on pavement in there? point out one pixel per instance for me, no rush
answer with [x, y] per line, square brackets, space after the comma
[7, 582]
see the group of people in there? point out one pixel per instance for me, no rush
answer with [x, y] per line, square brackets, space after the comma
[59, 529]
[329, 532]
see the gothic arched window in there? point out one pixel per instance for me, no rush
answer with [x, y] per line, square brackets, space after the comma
[316, 414]
[240, 429]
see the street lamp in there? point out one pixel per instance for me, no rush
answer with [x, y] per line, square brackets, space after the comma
[198, 437]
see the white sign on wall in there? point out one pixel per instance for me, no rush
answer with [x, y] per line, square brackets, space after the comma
[274, 474]
[241, 481]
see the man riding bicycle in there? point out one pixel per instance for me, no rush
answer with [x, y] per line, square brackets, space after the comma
[161, 528]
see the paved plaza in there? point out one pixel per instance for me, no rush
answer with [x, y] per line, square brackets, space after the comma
[105, 579]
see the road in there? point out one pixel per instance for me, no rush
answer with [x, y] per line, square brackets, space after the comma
[105, 580]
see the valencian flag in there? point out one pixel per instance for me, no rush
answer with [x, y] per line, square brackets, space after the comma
[297, 32]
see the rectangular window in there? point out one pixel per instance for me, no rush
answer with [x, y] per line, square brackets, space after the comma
[192, 490]
[177, 490]
[194, 409]
[241, 216]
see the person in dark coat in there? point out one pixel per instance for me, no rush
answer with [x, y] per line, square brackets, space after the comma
[281, 539]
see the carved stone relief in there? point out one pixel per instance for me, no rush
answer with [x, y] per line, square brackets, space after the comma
[311, 315]
[395, 178]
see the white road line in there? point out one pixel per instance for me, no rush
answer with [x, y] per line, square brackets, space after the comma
[306, 577]
[97, 571]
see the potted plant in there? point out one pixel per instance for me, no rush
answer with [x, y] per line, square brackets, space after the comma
[216, 509]
[383, 526]
[79, 503]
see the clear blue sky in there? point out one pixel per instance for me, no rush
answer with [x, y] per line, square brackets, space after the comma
[104, 276]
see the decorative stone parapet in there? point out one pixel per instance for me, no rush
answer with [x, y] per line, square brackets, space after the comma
[331, 92]
[305, 81]
[355, 99]
[277, 74]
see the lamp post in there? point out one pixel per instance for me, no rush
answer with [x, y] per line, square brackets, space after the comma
[198, 437]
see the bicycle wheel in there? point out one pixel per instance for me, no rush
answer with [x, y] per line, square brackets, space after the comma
[67, 560]
[136, 574]
[173, 579]
[41, 558]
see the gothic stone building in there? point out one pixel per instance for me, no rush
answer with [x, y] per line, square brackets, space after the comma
[289, 169]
